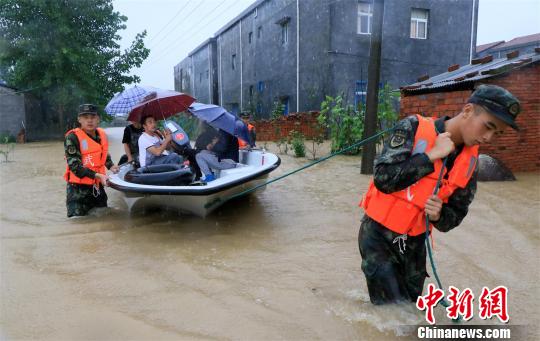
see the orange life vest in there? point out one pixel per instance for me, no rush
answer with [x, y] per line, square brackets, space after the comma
[403, 211]
[93, 155]
[242, 143]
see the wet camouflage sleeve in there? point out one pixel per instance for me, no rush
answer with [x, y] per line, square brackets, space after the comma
[74, 159]
[456, 209]
[395, 169]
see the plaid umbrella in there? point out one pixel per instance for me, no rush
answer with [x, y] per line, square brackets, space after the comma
[124, 101]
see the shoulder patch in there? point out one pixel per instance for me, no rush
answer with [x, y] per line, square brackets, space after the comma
[398, 139]
[71, 149]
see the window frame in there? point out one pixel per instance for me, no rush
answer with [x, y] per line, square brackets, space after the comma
[285, 33]
[233, 61]
[361, 15]
[416, 20]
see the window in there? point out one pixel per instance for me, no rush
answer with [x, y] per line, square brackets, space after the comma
[259, 32]
[250, 37]
[365, 14]
[251, 91]
[206, 74]
[260, 86]
[200, 77]
[234, 62]
[256, 13]
[284, 33]
[419, 23]
[285, 103]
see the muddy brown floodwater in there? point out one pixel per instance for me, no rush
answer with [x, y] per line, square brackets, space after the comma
[278, 264]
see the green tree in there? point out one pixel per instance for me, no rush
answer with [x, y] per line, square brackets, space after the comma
[66, 51]
[346, 125]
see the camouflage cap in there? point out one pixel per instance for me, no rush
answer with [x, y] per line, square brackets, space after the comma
[498, 102]
[87, 109]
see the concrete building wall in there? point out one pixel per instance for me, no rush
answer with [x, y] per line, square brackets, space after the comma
[12, 111]
[201, 73]
[183, 76]
[333, 57]
[449, 39]
[18, 108]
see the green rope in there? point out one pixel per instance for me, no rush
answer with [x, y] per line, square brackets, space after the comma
[357, 144]
[444, 302]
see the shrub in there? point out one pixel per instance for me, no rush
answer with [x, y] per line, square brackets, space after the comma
[297, 139]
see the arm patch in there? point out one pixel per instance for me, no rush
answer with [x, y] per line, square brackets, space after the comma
[398, 139]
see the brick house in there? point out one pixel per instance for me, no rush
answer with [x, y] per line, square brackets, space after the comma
[446, 93]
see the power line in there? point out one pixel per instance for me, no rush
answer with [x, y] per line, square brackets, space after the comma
[187, 15]
[172, 47]
[170, 21]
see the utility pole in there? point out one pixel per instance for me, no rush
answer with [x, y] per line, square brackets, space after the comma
[372, 100]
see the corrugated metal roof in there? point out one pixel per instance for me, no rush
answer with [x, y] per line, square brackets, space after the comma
[480, 68]
[521, 41]
[483, 47]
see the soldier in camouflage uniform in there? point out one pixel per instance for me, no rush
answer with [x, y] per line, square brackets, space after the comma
[80, 198]
[394, 264]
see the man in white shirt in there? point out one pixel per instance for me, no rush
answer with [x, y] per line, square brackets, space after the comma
[152, 147]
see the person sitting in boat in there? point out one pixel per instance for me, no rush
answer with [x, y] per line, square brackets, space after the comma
[245, 116]
[153, 145]
[130, 140]
[206, 156]
[227, 146]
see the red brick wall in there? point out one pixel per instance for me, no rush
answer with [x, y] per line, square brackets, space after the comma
[305, 123]
[520, 151]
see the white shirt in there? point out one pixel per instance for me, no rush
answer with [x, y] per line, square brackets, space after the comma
[146, 141]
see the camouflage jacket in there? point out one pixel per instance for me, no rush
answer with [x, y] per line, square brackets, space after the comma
[72, 152]
[395, 170]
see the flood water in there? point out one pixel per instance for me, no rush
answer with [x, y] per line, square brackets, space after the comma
[278, 264]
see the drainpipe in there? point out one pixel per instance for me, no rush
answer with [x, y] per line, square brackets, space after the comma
[241, 81]
[220, 77]
[193, 77]
[472, 31]
[297, 56]
[210, 99]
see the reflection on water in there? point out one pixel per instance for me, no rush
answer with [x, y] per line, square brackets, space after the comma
[282, 263]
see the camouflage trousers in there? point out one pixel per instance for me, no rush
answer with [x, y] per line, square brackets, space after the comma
[82, 198]
[395, 269]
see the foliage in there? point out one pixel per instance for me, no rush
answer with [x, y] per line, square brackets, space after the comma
[66, 52]
[297, 140]
[189, 123]
[7, 147]
[282, 142]
[346, 125]
[6, 138]
[386, 114]
[278, 110]
[316, 139]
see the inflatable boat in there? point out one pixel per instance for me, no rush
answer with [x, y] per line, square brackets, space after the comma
[173, 186]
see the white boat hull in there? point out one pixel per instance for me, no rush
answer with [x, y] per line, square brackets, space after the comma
[199, 200]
